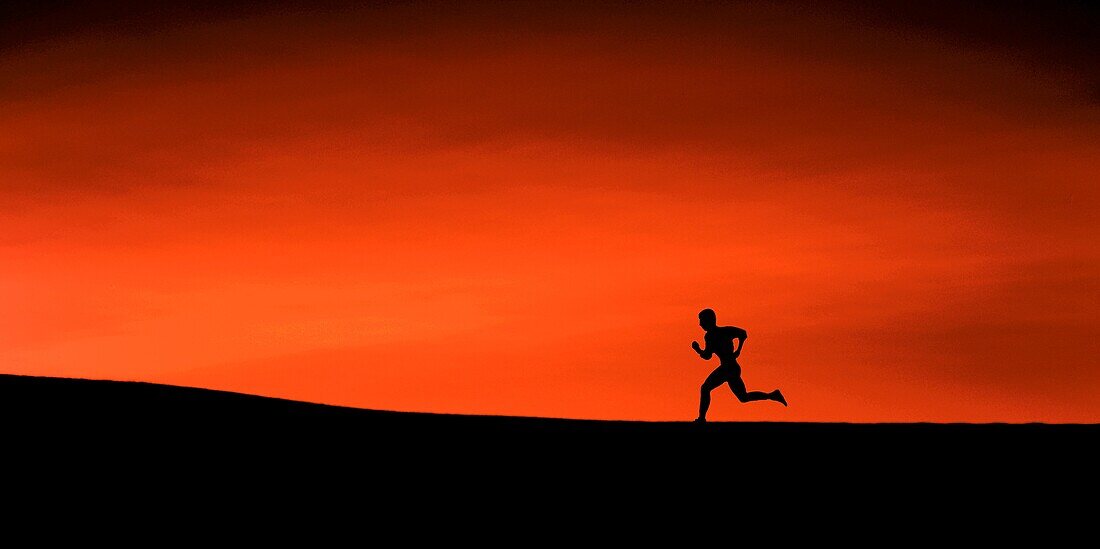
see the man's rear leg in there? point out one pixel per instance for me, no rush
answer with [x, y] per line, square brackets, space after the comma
[738, 387]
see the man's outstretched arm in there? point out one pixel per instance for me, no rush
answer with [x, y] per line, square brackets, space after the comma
[702, 352]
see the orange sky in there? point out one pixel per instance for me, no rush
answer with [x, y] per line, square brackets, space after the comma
[521, 211]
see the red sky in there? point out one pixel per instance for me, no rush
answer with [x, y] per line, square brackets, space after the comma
[521, 211]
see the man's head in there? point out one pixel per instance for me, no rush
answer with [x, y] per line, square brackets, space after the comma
[707, 319]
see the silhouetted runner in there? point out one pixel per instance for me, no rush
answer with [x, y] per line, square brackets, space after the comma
[719, 340]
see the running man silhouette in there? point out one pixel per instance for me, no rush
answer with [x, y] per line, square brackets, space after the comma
[719, 340]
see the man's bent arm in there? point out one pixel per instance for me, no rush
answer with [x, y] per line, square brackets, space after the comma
[739, 336]
[705, 354]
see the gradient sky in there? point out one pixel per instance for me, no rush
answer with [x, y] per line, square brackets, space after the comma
[520, 209]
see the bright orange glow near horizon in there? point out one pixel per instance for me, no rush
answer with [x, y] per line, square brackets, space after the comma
[523, 215]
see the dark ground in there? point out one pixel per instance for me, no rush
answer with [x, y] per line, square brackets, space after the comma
[151, 412]
[155, 442]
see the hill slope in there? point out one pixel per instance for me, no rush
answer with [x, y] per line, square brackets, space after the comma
[128, 402]
[62, 422]
[55, 402]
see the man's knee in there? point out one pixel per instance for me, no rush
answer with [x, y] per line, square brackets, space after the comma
[742, 396]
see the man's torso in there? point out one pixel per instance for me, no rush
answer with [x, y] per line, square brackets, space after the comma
[720, 342]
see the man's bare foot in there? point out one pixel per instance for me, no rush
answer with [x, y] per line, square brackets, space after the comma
[778, 397]
[700, 420]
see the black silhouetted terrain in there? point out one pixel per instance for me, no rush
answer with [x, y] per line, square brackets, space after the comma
[162, 440]
[131, 453]
[148, 411]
